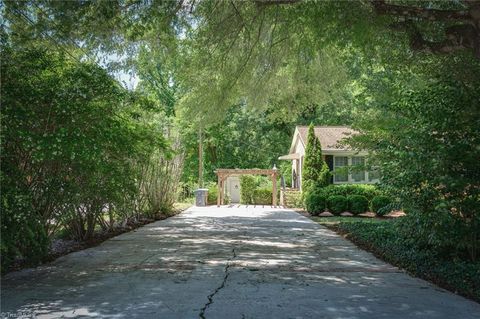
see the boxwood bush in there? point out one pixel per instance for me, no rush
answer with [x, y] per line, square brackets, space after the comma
[337, 204]
[315, 203]
[262, 196]
[367, 190]
[357, 204]
[380, 204]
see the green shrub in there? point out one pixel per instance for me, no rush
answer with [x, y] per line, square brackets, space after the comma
[357, 204]
[315, 171]
[293, 199]
[379, 205]
[315, 203]
[212, 194]
[262, 196]
[337, 204]
[367, 190]
[248, 185]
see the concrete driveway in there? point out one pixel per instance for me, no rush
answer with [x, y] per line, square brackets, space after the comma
[238, 262]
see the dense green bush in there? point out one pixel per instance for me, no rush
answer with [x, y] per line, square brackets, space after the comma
[380, 204]
[357, 204]
[212, 194]
[75, 147]
[262, 196]
[337, 204]
[367, 190]
[315, 203]
[248, 184]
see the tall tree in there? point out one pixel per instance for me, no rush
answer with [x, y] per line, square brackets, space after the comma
[315, 170]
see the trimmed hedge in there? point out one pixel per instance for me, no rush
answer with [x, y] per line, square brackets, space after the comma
[367, 190]
[357, 204]
[379, 205]
[262, 196]
[337, 204]
[315, 203]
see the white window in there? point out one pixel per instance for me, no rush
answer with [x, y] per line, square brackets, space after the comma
[358, 169]
[340, 169]
[352, 169]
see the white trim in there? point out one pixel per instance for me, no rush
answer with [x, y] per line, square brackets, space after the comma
[350, 180]
[296, 137]
[291, 156]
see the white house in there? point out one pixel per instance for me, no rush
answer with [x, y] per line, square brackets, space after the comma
[335, 155]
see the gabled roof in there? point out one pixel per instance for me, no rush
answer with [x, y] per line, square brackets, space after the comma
[329, 136]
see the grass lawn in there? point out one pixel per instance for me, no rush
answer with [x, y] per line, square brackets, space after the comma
[381, 237]
[181, 206]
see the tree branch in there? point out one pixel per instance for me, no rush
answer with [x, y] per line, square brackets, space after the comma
[275, 2]
[458, 37]
[382, 8]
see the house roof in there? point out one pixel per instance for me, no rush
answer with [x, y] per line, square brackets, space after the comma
[329, 136]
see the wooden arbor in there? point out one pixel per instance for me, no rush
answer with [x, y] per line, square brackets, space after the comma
[222, 175]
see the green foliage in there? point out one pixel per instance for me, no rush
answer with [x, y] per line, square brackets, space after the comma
[357, 204]
[315, 171]
[285, 168]
[255, 190]
[75, 146]
[367, 190]
[388, 239]
[431, 164]
[337, 204]
[247, 189]
[379, 205]
[245, 138]
[293, 199]
[262, 196]
[315, 203]
[212, 194]
[23, 235]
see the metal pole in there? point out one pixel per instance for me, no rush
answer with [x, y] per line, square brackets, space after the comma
[200, 158]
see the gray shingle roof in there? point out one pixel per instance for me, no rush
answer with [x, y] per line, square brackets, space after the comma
[329, 136]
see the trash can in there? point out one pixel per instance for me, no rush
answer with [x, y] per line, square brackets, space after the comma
[201, 196]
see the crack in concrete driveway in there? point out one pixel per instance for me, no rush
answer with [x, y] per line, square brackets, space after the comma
[282, 265]
[222, 285]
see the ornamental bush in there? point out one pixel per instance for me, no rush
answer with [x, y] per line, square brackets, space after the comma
[367, 190]
[337, 204]
[248, 185]
[315, 171]
[379, 205]
[212, 194]
[357, 204]
[315, 203]
[262, 196]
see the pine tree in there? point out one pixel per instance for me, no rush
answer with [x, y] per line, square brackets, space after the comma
[315, 170]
